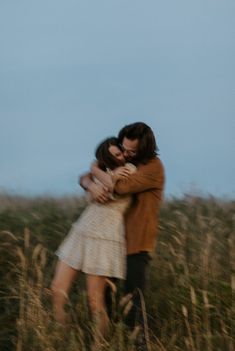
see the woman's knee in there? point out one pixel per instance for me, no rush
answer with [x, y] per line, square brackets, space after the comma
[57, 290]
[63, 279]
[95, 289]
[96, 303]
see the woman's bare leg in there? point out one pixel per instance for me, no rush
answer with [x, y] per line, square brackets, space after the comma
[60, 286]
[96, 296]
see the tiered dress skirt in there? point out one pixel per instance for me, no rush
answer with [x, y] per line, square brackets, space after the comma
[96, 242]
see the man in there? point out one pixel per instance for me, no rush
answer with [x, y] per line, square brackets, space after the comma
[146, 184]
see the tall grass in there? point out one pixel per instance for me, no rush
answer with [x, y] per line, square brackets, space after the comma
[190, 299]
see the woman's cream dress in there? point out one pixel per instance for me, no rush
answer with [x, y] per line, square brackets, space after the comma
[96, 242]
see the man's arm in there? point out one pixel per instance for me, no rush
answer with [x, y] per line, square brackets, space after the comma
[98, 192]
[149, 176]
[108, 179]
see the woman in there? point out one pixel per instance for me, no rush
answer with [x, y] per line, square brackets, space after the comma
[95, 244]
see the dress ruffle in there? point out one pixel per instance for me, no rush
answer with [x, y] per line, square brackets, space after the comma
[95, 256]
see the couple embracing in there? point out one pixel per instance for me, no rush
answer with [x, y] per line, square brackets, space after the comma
[116, 233]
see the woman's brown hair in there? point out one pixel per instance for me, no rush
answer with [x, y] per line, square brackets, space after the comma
[104, 157]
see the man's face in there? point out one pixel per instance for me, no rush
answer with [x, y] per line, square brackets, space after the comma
[130, 148]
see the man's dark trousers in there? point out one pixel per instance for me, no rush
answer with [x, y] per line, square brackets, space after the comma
[135, 283]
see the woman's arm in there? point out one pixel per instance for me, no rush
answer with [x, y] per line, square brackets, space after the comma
[104, 177]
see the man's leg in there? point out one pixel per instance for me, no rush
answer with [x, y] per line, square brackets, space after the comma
[137, 270]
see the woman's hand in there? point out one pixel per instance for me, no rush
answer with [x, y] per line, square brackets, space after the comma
[98, 193]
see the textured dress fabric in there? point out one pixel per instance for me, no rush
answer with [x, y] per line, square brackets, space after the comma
[96, 242]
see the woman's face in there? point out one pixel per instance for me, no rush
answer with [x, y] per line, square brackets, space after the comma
[117, 153]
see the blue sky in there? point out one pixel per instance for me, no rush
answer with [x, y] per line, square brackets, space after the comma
[73, 72]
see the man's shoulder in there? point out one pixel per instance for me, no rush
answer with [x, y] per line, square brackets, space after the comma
[155, 164]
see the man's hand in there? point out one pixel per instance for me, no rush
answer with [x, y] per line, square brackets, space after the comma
[121, 173]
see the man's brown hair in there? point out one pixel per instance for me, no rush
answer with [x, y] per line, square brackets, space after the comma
[147, 148]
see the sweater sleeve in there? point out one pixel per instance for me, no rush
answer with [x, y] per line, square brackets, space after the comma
[149, 176]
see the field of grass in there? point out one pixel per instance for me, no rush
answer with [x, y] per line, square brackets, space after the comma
[191, 295]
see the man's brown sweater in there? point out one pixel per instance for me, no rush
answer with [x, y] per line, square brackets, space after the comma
[146, 185]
